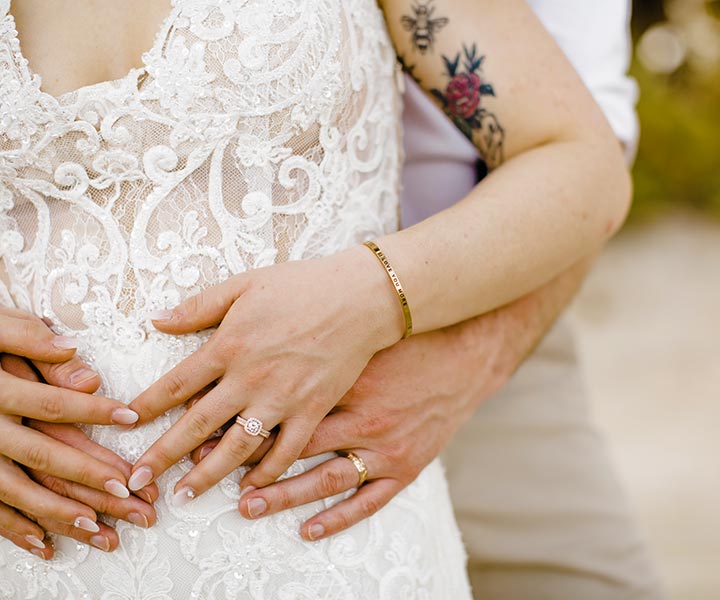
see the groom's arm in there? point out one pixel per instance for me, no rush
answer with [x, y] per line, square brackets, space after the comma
[408, 404]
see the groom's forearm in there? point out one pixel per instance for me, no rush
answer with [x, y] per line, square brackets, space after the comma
[517, 328]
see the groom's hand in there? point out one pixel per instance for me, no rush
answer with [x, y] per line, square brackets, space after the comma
[399, 415]
[407, 405]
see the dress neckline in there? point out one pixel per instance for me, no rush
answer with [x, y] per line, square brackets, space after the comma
[133, 75]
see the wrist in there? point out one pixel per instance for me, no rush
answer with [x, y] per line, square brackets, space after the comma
[374, 306]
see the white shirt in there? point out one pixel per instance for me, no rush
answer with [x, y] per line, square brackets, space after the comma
[440, 165]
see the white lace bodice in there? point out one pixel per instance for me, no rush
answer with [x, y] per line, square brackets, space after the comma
[256, 132]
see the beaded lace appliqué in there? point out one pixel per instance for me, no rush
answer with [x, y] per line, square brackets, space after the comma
[257, 132]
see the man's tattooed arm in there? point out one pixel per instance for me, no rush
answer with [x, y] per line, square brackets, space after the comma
[465, 85]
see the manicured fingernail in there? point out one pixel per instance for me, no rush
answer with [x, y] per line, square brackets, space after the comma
[139, 519]
[161, 315]
[86, 525]
[205, 451]
[124, 416]
[82, 376]
[183, 496]
[35, 541]
[256, 507]
[140, 478]
[316, 531]
[65, 343]
[116, 488]
[38, 553]
[100, 542]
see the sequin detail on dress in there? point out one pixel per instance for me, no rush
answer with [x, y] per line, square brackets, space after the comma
[257, 132]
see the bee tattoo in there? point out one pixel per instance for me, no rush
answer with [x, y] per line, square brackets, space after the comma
[422, 26]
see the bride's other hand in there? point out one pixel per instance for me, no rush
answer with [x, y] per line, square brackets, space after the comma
[291, 341]
[38, 500]
[27, 336]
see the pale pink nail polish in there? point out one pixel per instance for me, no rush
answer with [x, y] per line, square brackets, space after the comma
[140, 478]
[65, 343]
[100, 542]
[315, 531]
[82, 376]
[183, 496]
[86, 524]
[205, 451]
[160, 315]
[35, 541]
[116, 488]
[139, 519]
[256, 507]
[37, 553]
[124, 416]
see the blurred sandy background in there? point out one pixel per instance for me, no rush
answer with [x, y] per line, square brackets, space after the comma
[648, 319]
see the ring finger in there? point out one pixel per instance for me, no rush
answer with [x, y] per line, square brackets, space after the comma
[196, 426]
[235, 447]
[328, 479]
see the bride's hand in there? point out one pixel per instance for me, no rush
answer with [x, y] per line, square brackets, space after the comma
[292, 339]
[27, 336]
[59, 490]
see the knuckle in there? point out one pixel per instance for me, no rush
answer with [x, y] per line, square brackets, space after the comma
[342, 520]
[37, 457]
[237, 448]
[51, 406]
[108, 504]
[283, 498]
[163, 457]
[174, 385]
[199, 426]
[59, 371]
[374, 426]
[86, 474]
[330, 483]
[369, 505]
[27, 329]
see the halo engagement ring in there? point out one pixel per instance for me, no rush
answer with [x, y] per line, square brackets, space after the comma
[252, 426]
[359, 465]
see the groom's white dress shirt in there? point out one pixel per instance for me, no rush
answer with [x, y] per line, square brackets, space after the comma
[536, 496]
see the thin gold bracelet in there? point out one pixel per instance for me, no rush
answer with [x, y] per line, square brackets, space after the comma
[396, 284]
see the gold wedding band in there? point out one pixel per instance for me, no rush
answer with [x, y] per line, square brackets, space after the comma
[359, 465]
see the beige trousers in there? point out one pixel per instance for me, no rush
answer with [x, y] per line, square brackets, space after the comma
[536, 497]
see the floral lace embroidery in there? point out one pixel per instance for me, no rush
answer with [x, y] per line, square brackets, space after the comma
[256, 132]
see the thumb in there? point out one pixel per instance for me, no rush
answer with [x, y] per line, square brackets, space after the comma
[203, 310]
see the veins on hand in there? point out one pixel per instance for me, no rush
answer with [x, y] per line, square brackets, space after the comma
[462, 102]
[422, 25]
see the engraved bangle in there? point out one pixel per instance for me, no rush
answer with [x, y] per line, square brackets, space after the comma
[396, 284]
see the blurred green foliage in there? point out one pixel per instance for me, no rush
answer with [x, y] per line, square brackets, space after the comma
[678, 163]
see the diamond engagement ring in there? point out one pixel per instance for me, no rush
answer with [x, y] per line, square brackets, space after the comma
[359, 465]
[252, 426]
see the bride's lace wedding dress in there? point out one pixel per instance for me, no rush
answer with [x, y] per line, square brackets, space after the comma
[257, 131]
